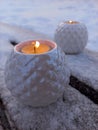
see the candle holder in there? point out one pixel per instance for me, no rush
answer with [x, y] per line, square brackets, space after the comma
[71, 36]
[37, 79]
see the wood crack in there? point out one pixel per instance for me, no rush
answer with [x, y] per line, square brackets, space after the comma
[13, 42]
[85, 89]
[3, 118]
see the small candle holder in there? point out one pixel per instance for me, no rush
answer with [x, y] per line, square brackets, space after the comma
[71, 36]
[37, 79]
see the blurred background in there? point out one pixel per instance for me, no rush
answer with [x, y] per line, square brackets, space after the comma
[44, 15]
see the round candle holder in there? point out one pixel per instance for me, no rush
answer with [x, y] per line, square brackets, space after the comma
[71, 36]
[37, 79]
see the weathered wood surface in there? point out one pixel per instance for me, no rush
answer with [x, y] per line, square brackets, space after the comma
[85, 67]
[73, 111]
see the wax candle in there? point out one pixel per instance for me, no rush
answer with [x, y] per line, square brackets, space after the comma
[71, 22]
[36, 47]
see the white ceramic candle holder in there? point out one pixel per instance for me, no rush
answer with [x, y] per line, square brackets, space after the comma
[71, 36]
[37, 79]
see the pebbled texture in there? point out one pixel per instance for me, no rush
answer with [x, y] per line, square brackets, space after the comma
[72, 38]
[37, 80]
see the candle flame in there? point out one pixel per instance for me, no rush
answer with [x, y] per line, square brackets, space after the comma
[70, 21]
[37, 44]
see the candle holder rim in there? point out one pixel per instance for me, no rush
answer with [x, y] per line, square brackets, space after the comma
[31, 40]
[73, 22]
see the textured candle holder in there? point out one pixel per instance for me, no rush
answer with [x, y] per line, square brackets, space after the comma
[37, 79]
[71, 36]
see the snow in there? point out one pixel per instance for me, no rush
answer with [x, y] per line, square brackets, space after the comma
[44, 15]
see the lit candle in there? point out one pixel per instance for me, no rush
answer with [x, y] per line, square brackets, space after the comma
[71, 36]
[71, 22]
[36, 47]
[37, 79]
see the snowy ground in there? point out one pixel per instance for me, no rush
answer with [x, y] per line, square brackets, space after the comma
[44, 15]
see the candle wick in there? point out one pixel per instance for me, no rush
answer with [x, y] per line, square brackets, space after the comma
[34, 49]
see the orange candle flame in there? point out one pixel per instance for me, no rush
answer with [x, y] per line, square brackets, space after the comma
[70, 21]
[37, 44]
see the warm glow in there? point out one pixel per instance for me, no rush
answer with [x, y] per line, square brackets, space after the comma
[70, 21]
[37, 44]
[36, 47]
